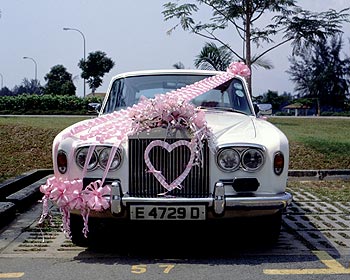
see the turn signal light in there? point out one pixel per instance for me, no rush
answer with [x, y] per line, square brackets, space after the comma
[278, 163]
[62, 162]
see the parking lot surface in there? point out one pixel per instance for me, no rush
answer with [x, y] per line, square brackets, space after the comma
[315, 240]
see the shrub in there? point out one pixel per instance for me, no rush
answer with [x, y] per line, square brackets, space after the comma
[45, 104]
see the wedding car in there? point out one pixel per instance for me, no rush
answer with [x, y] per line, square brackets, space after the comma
[171, 145]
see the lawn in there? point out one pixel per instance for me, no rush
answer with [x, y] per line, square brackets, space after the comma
[314, 143]
[317, 143]
[26, 143]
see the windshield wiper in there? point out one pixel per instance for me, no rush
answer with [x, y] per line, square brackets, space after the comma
[227, 109]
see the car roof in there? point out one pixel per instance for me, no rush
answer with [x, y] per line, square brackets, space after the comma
[166, 72]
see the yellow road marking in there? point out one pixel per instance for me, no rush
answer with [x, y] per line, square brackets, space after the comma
[11, 275]
[333, 267]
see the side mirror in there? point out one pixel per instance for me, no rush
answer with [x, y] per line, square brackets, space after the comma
[94, 108]
[256, 109]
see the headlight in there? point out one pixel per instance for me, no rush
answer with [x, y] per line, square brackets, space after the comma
[252, 159]
[228, 159]
[81, 158]
[104, 157]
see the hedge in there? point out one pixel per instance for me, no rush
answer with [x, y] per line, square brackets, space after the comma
[45, 104]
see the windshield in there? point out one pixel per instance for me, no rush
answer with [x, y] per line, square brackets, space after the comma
[126, 92]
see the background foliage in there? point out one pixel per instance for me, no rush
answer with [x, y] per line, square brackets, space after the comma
[45, 104]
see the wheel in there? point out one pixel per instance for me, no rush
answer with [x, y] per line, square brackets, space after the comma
[101, 232]
[76, 229]
[270, 227]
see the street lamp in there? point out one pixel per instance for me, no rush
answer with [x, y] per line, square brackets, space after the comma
[2, 81]
[81, 33]
[36, 66]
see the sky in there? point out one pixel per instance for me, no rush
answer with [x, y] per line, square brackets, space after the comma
[132, 33]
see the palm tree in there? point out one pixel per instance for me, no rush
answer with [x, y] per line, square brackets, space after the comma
[213, 57]
[217, 58]
[179, 65]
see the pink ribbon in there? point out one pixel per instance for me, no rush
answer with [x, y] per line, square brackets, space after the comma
[239, 68]
[169, 147]
[94, 195]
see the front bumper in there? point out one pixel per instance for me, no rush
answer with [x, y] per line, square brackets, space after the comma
[218, 205]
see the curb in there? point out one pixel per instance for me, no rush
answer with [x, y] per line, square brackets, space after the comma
[7, 212]
[322, 174]
[15, 184]
[19, 193]
[25, 197]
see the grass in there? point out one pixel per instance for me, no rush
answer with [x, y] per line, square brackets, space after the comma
[317, 143]
[320, 143]
[26, 142]
[331, 191]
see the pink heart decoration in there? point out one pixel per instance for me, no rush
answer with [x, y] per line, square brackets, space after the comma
[169, 147]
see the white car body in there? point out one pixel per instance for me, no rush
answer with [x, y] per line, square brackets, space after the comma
[232, 130]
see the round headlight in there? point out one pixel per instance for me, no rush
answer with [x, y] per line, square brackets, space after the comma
[104, 157]
[81, 158]
[252, 159]
[228, 159]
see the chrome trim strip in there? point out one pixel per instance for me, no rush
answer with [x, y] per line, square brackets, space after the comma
[242, 145]
[278, 201]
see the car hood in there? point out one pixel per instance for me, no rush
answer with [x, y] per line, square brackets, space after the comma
[231, 127]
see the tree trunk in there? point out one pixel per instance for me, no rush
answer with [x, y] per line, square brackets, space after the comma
[248, 51]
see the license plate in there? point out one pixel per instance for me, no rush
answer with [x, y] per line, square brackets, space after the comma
[156, 212]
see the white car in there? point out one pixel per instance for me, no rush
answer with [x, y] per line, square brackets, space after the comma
[171, 157]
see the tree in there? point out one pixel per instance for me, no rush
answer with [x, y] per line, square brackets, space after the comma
[59, 81]
[321, 74]
[179, 65]
[272, 97]
[93, 69]
[28, 87]
[5, 91]
[301, 28]
[213, 58]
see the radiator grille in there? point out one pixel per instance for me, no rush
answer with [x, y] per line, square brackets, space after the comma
[144, 184]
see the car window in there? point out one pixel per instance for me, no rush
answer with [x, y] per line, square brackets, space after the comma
[126, 92]
[230, 95]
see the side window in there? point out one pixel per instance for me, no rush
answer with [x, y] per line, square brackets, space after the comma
[115, 98]
[238, 97]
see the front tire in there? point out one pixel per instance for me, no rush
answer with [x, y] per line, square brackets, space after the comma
[270, 227]
[76, 229]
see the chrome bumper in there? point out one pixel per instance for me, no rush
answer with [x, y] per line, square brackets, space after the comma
[219, 203]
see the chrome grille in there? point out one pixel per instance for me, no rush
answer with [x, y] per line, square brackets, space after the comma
[144, 184]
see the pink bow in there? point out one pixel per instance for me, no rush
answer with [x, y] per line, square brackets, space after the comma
[75, 199]
[59, 194]
[239, 68]
[94, 196]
